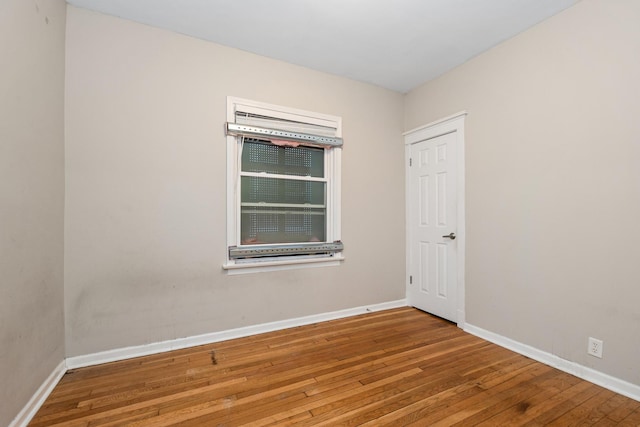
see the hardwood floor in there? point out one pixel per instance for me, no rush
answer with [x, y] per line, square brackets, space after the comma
[398, 367]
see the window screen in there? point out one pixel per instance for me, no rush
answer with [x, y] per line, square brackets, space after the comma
[283, 194]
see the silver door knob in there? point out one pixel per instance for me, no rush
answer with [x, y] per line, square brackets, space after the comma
[451, 236]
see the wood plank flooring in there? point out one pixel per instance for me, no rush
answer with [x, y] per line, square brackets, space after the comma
[399, 367]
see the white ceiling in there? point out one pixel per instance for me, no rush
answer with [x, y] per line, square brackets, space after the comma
[396, 44]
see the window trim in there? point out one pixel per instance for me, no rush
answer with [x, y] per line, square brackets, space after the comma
[333, 158]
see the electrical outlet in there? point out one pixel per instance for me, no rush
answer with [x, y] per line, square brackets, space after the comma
[595, 347]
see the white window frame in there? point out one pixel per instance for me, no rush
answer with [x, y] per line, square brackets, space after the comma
[333, 158]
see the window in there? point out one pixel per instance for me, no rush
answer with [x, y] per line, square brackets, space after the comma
[282, 194]
[283, 191]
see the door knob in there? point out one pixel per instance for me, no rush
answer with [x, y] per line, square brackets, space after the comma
[451, 236]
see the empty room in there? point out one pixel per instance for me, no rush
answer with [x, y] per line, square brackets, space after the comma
[241, 212]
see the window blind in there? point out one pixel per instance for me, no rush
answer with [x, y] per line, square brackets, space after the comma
[276, 130]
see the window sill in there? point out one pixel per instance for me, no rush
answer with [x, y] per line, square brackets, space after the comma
[233, 267]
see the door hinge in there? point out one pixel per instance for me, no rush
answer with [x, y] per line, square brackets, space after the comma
[411, 280]
[410, 161]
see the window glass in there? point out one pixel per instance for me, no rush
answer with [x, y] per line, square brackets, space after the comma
[280, 210]
[258, 156]
[264, 225]
[282, 191]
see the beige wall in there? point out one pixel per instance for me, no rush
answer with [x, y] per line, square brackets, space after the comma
[32, 194]
[145, 182]
[553, 182]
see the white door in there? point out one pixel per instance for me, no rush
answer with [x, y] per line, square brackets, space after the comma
[432, 228]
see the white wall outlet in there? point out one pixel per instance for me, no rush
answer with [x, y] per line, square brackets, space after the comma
[595, 347]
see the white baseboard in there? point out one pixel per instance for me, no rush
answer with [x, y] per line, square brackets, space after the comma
[159, 347]
[24, 417]
[607, 381]
[28, 412]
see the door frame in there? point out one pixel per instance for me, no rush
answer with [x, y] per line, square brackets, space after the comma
[450, 124]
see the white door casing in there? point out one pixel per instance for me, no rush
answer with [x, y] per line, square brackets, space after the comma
[435, 209]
